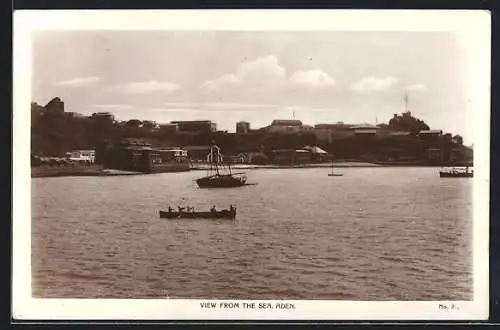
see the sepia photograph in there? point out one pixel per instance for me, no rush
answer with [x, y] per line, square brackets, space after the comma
[227, 165]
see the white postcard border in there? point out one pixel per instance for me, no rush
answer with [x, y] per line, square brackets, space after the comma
[473, 26]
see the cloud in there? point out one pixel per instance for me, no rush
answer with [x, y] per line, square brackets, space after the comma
[78, 82]
[193, 110]
[373, 84]
[313, 79]
[146, 87]
[415, 87]
[112, 106]
[220, 105]
[222, 83]
[184, 110]
[307, 109]
[263, 70]
[262, 73]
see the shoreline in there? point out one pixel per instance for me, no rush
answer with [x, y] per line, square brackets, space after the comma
[98, 170]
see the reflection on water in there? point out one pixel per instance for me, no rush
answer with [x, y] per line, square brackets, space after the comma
[373, 234]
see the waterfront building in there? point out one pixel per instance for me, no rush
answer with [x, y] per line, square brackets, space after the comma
[197, 153]
[83, 156]
[128, 154]
[168, 128]
[430, 136]
[287, 125]
[326, 132]
[172, 154]
[430, 132]
[365, 129]
[292, 157]
[195, 126]
[242, 127]
[103, 116]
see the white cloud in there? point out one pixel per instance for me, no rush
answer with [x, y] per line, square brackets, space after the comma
[262, 73]
[146, 87]
[78, 82]
[184, 110]
[314, 79]
[112, 106]
[307, 109]
[416, 87]
[192, 110]
[222, 83]
[219, 105]
[263, 70]
[373, 84]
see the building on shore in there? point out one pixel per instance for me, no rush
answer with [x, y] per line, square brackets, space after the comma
[327, 132]
[171, 154]
[284, 125]
[107, 117]
[431, 134]
[242, 127]
[365, 130]
[81, 156]
[197, 153]
[168, 128]
[305, 155]
[137, 155]
[195, 126]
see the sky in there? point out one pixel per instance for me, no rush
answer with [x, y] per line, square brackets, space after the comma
[256, 76]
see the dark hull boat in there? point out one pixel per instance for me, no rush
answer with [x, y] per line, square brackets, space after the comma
[444, 174]
[332, 173]
[221, 181]
[457, 173]
[223, 214]
[217, 177]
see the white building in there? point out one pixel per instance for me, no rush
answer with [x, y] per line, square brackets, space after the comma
[84, 156]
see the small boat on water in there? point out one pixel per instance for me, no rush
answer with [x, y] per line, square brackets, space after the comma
[218, 176]
[457, 173]
[212, 214]
[332, 173]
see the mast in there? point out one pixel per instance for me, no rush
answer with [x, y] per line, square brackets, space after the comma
[217, 161]
[406, 101]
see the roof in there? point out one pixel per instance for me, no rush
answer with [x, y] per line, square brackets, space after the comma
[194, 148]
[139, 148]
[102, 114]
[315, 150]
[364, 126]
[133, 142]
[191, 122]
[332, 126]
[431, 131]
[399, 133]
[286, 122]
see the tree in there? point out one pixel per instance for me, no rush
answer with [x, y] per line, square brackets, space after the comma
[134, 123]
[148, 124]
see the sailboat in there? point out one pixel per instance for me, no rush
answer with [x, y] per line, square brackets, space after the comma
[332, 173]
[218, 176]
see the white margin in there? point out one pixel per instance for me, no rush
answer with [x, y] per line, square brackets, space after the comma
[474, 26]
